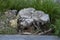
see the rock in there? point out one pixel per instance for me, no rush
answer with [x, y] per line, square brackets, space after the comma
[31, 13]
[29, 17]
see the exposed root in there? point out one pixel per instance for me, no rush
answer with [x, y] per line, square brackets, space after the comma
[45, 31]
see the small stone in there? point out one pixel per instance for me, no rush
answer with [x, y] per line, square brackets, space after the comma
[13, 23]
[29, 17]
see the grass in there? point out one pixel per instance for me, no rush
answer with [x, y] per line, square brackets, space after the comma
[48, 6]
